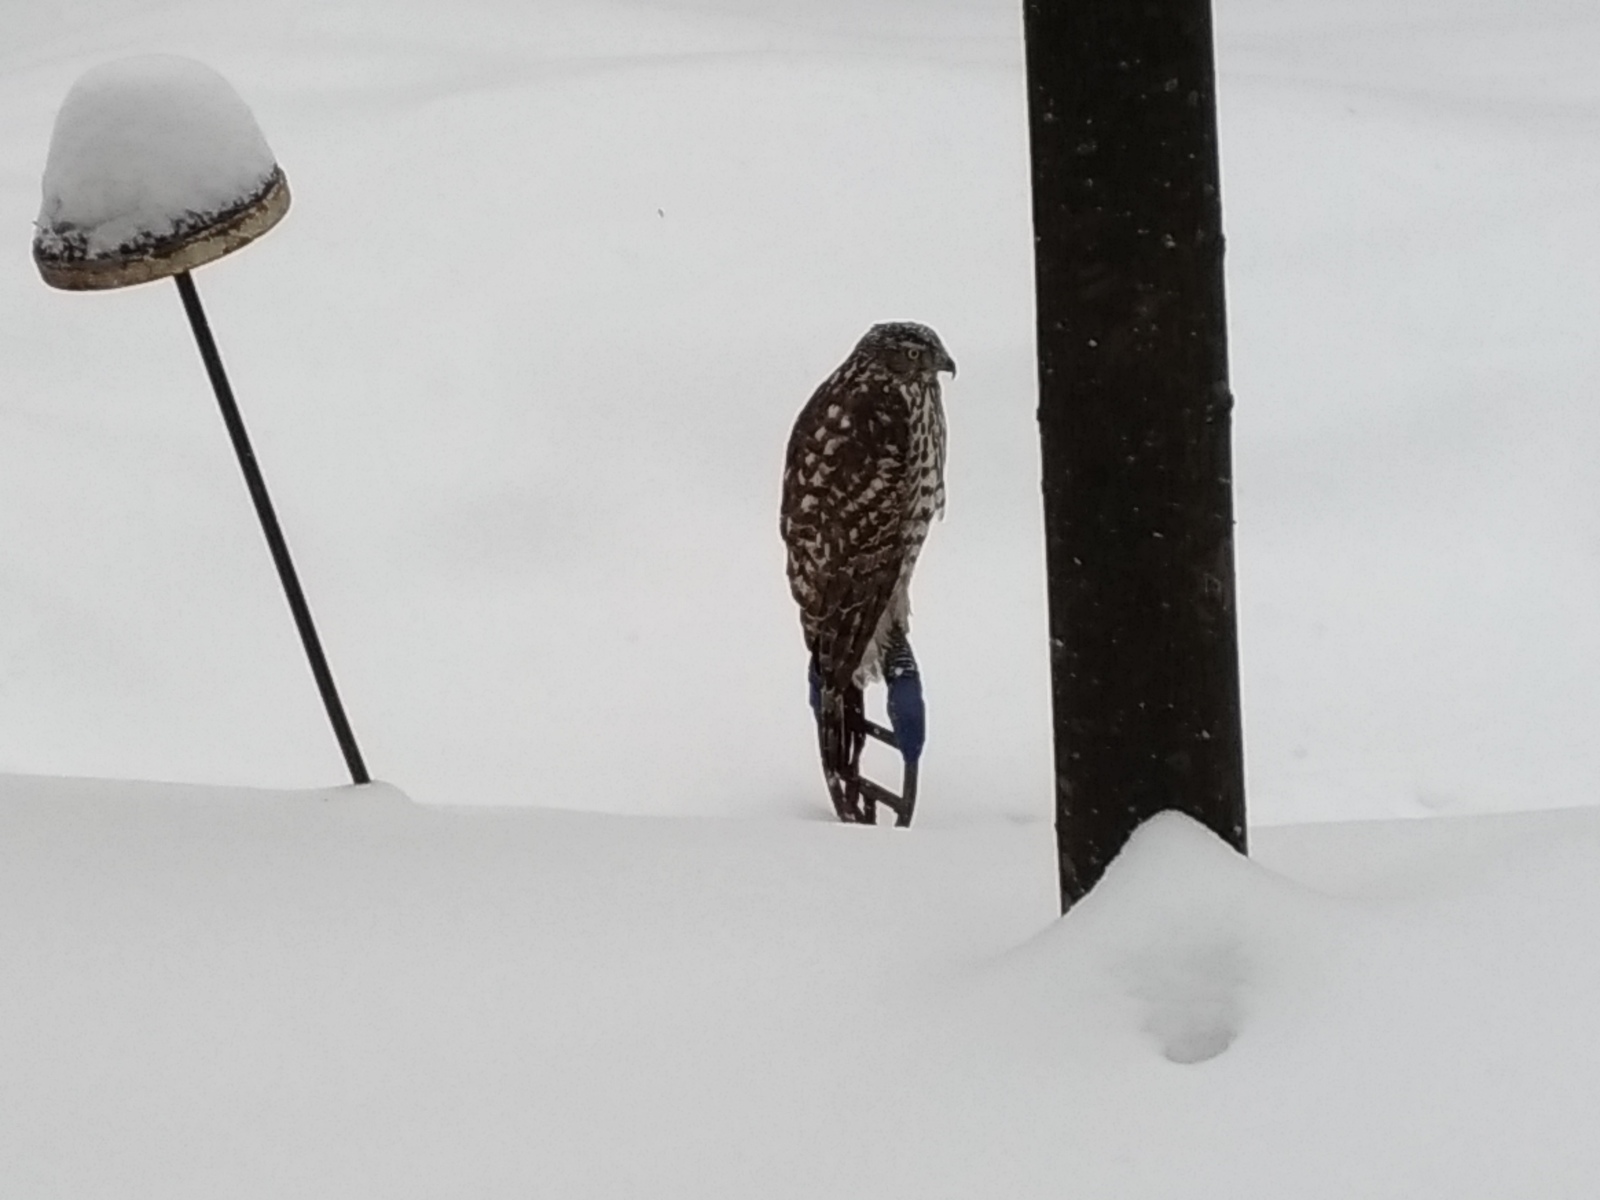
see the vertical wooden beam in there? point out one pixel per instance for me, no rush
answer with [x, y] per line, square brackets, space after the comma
[1134, 417]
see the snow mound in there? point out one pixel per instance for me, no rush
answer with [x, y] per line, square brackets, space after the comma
[1183, 941]
[1181, 918]
[147, 150]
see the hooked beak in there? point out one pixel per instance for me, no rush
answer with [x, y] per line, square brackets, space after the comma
[946, 363]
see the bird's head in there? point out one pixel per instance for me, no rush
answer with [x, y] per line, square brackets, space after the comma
[907, 349]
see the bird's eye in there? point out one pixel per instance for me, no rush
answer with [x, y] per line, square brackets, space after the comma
[913, 353]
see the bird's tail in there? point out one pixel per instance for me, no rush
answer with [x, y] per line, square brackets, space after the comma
[840, 735]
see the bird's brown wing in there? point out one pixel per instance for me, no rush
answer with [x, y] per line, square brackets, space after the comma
[843, 515]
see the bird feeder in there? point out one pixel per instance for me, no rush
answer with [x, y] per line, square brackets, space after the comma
[156, 167]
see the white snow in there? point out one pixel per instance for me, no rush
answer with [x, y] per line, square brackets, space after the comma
[145, 148]
[344, 994]
[521, 372]
[520, 377]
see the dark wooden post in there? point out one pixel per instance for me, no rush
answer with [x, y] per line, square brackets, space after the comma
[1134, 412]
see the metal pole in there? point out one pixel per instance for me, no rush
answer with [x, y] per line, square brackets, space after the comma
[269, 526]
[1134, 417]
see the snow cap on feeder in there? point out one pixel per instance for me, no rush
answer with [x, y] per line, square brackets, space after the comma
[156, 166]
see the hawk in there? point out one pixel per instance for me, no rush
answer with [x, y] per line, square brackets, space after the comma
[862, 480]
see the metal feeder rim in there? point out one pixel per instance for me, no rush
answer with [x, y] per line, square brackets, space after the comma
[222, 234]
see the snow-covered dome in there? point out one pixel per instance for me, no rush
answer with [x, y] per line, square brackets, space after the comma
[156, 166]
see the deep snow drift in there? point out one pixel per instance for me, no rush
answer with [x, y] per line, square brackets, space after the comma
[342, 994]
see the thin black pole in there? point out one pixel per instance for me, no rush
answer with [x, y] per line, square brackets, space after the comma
[1134, 417]
[269, 526]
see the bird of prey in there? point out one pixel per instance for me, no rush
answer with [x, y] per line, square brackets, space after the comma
[862, 480]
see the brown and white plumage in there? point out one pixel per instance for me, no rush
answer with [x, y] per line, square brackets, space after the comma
[862, 481]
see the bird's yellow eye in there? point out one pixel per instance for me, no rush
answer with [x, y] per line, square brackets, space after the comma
[913, 353]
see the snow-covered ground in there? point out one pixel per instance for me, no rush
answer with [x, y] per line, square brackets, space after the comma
[519, 366]
[346, 995]
[521, 362]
